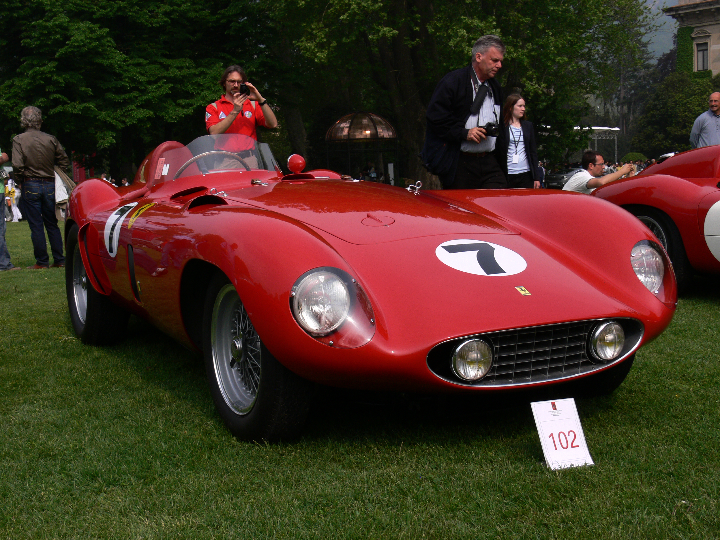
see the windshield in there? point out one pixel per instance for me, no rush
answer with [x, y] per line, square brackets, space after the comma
[216, 153]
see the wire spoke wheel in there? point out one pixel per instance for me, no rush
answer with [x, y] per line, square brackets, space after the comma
[255, 395]
[79, 284]
[95, 318]
[236, 350]
[668, 235]
[656, 229]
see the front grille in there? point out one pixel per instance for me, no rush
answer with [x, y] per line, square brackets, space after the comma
[536, 354]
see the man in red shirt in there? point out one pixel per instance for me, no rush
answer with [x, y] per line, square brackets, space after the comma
[238, 112]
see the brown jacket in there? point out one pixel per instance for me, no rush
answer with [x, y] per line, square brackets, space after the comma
[35, 153]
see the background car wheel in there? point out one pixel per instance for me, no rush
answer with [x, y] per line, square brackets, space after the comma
[95, 319]
[256, 396]
[669, 236]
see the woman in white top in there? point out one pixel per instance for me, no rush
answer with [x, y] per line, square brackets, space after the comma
[516, 148]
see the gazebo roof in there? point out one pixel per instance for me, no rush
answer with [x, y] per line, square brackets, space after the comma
[360, 126]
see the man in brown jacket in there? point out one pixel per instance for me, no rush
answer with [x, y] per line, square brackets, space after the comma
[34, 157]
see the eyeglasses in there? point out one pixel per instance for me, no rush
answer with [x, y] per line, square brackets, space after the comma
[231, 81]
[600, 164]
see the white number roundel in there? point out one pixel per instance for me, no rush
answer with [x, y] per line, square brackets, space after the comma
[712, 230]
[480, 258]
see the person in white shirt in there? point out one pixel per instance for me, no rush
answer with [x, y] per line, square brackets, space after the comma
[591, 177]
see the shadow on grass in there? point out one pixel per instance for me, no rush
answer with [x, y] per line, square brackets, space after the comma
[162, 362]
[703, 287]
[391, 418]
[402, 418]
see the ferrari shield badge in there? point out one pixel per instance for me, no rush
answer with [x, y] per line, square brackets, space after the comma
[480, 258]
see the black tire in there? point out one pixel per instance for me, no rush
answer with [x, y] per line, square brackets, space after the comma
[667, 233]
[608, 381]
[256, 396]
[95, 319]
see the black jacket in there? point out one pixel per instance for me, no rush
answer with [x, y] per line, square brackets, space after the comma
[503, 143]
[449, 110]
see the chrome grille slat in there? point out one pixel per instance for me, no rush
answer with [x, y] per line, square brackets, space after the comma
[532, 355]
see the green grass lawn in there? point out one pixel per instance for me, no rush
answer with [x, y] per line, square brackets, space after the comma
[124, 442]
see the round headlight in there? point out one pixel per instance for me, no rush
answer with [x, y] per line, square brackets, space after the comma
[321, 302]
[472, 360]
[648, 266]
[607, 341]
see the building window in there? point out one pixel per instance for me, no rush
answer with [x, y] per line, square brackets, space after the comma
[702, 56]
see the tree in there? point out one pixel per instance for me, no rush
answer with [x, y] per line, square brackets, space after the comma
[120, 77]
[677, 101]
[395, 51]
[112, 78]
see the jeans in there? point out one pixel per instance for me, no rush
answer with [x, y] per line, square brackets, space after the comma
[38, 200]
[5, 263]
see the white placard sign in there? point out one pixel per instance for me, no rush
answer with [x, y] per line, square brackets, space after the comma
[561, 434]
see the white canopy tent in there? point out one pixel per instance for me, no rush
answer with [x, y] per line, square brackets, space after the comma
[604, 133]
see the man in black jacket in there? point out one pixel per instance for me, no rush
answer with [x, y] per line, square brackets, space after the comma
[463, 118]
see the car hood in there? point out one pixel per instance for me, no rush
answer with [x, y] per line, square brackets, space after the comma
[366, 213]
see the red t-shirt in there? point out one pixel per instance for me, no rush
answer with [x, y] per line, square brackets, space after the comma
[244, 123]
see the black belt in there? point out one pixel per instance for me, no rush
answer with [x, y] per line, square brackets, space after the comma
[475, 154]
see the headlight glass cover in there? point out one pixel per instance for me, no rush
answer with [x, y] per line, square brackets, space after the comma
[607, 341]
[320, 302]
[648, 265]
[472, 360]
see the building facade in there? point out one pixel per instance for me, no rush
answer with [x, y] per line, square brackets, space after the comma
[698, 34]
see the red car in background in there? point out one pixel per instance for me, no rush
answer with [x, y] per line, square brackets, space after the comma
[287, 281]
[679, 201]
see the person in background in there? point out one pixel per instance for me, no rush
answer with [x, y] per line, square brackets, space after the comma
[515, 148]
[706, 129]
[591, 177]
[12, 197]
[240, 109]
[35, 155]
[5, 263]
[464, 115]
[369, 173]
[541, 173]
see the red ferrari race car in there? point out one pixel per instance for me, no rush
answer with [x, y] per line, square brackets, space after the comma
[679, 201]
[288, 281]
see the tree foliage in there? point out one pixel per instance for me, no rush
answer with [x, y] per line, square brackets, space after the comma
[676, 102]
[110, 77]
[119, 77]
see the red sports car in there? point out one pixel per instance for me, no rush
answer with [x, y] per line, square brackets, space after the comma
[287, 281]
[679, 201]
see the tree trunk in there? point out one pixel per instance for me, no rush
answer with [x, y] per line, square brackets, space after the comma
[295, 129]
[397, 62]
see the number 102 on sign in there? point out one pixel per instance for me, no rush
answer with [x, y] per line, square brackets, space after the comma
[561, 434]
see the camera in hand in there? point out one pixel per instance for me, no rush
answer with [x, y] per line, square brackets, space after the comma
[244, 89]
[491, 129]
